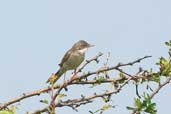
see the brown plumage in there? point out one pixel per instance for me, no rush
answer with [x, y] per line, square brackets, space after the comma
[71, 60]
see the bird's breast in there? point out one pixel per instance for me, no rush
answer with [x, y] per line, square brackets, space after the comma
[74, 60]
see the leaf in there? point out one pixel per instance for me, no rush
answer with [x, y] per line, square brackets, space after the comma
[100, 79]
[11, 110]
[104, 99]
[44, 101]
[165, 66]
[163, 61]
[168, 43]
[138, 103]
[169, 52]
[7, 112]
[130, 108]
[167, 70]
[143, 106]
[106, 106]
[91, 112]
[151, 108]
[156, 78]
[121, 75]
[61, 96]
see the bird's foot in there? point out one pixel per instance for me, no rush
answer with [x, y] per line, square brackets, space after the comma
[73, 77]
[65, 82]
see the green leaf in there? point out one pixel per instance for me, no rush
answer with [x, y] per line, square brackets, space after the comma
[11, 110]
[100, 79]
[151, 108]
[167, 70]
[137, 103]
[121, 75]
[7, 112]
[168, 43]
[163, 61]
[44, 101]
[91, 112]
[106, 106]
[61, 95]
[155, 78]
[143, 106]
[169, 52]
[130, 108]
[165, 66]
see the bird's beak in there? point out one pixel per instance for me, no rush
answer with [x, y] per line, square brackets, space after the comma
[91, 45]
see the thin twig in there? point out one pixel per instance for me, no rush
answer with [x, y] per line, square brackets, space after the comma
[160, 87]
[97, 72]
[70, 103]
[71, 82]
[157, 90]
[95, 58]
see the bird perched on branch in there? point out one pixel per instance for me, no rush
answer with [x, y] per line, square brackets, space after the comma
[71, 60]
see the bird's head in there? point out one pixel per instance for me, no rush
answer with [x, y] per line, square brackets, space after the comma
[82, 46]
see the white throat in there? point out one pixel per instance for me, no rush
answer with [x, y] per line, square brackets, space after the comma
[82, 51]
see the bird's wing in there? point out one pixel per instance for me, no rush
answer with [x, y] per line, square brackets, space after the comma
[65, 58]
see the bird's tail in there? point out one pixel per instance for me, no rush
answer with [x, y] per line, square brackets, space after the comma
[54, 77]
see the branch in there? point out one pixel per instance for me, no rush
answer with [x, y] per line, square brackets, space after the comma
[83, 100]
[160, 87]
[103, 69]
[24, 96]
[157, 90]
[70, 82]
[95, 58]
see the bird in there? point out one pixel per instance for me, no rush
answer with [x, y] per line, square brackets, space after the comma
[71, 60]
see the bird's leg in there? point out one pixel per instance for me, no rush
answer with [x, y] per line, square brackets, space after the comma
[52, 96]
[75, 71]
[75, 74]
[65, 82]
[64, 79]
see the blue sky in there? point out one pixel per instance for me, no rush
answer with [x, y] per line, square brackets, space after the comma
[36, 33]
